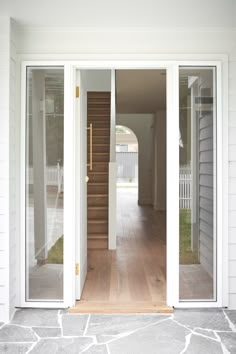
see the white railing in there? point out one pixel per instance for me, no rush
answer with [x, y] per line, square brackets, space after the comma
[185, 181]
[54, 175]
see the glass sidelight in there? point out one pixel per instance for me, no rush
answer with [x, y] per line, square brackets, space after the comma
[197, 183]
[44, 183]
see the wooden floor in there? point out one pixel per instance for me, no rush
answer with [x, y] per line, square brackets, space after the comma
[132, 278]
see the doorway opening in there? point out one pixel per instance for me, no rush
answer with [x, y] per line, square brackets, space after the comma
[141, 218]
[132, 277]
[194, 140]
[127, 166]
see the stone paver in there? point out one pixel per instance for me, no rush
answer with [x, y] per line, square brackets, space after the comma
[232, 317]
[61, 345]
[47, 332]
[199, 344]
[206, 333]
[10, 348]
[74, 325]
[36, 317]
[191, 331]
[97, 349]
[105, 327]
[163, 338]
[206, 318]
[229, 341]
[14, 333]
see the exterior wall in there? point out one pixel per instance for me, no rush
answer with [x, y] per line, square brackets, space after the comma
[7, 171]
[4, 167]
[206, 192]
[232, 178]
[142, 126]
[13, 173]
[72, 44]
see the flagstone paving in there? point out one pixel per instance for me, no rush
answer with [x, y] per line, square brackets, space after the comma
[192, 331]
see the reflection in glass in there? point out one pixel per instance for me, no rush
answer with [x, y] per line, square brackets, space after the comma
[197, 178]
[44, 183]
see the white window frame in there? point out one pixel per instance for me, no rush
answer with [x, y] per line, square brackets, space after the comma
[171, 64]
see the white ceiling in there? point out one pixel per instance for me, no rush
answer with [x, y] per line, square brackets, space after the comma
[140, 91]
[101, 14]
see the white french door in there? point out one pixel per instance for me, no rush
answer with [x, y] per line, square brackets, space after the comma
[81, 184]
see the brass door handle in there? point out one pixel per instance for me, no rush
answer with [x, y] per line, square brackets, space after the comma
[90, 128]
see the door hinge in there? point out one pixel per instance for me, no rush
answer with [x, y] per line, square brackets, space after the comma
[76, 268]
[77, 91]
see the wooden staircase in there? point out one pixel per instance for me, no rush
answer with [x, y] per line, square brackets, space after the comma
[98, 113]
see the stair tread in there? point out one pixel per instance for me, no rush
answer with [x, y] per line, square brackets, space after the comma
[98, 195]
[97, 236]
[101, 153]
[102, 207]
[100, 162]
[100, 144]
[98, 172]
[97, 221]
[105, 128]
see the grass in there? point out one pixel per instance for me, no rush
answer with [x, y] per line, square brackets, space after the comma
[186, 255]
[55, 254]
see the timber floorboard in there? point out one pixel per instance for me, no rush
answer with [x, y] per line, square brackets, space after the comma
[133, 277]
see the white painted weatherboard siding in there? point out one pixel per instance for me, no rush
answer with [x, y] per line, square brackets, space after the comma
[206, 191]
[8, 170]
[13, 172]
[4, 167]
[232, 179]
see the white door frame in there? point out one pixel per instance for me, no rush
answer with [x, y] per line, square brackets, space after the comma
[170, 63]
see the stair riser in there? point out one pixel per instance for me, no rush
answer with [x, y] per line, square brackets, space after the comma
[99, 167]
[100, 132]
[93, 177]
[97, 244]
[100, 158]
[101, 140]
[99, 111]
[99, 124]
[98, 189]
[97, 201]
[97, 214]
[102, 96]
[96, 148]
[97, 228]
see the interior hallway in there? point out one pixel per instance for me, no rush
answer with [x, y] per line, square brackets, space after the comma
[134, 274]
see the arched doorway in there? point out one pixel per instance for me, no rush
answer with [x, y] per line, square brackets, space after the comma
[127, 161]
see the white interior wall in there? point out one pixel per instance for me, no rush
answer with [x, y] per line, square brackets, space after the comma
[142, 126]
[97, 80]
[42, 44]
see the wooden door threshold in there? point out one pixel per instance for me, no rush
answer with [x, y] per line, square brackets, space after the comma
[109, 307]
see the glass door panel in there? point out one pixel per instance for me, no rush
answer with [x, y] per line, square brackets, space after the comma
[44, 183]
[197, 183]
